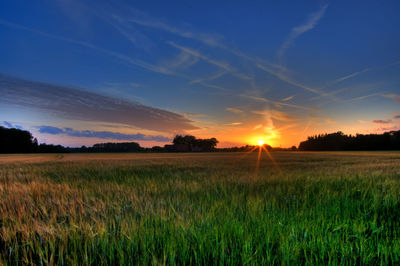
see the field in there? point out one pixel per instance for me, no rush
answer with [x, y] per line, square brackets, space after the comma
[205, 208]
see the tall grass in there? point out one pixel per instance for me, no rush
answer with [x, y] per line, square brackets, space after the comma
[322, 208]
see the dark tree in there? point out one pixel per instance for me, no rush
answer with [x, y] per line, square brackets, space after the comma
[339, 141]
[116, 147]
[191, 143]
[14, 140]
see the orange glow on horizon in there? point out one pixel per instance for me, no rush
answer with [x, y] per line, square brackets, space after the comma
[260, 141]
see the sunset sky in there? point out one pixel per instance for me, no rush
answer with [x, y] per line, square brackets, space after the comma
[82, 72]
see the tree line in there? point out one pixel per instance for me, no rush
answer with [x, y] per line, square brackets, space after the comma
[338, 141]
[191, 143]
[13, 140]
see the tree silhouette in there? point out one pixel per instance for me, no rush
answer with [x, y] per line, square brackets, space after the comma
[339, 141]
[14, 140]
[191, 143]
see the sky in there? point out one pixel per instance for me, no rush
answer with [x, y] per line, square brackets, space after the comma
[76, 72]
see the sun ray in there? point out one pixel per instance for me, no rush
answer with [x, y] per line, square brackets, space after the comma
[247, 153]
[258, 162]
[276, 165]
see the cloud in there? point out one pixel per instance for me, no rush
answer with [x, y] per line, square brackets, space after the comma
[234, 110]
[382, 121]
[140, 18]
[168, 67]
[212, 77]
[193, 114]
[50, 130]
[277, 103]
[234, 124]
[329, 120]
[355, 74]
[280, 75]
[99, 134]
[287, 98]
[273, 69]
[386, 129]
[223, 65]
[396, 117]
[145, 20]
[195, 53]
[277, 115]
[162, 69]
[311, 22]
[212, 40]
[9, 125]
[74, 104]
[182, 61]
[361, 97]
[257, 126]
[392, 96]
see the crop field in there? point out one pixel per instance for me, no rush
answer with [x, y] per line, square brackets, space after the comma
[200, 208]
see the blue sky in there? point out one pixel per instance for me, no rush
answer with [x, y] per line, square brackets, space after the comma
[247, 70]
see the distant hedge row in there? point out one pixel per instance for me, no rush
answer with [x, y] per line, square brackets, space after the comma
[339, 142]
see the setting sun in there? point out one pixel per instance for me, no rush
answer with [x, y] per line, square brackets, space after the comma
[260, 142]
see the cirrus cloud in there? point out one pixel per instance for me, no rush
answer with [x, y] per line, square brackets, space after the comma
[381, 121]
[76, 104]
[99, 134]
[234, 110]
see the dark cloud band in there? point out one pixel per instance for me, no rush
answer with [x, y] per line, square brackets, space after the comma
[99, 134]
[76, 104]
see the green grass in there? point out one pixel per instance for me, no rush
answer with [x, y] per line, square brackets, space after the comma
[318, 208]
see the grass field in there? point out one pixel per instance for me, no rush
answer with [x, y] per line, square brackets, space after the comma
[209, 208]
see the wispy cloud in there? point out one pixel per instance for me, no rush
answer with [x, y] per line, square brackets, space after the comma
[142, 19]
[287, 98]
[132, 35]
[277, 103]
[7, 124]
[185, 59]
[257, 126]
[212, 40]
[355, 74]
[10, 125]
[280, 75]
[99, 134]
[386, 129]
[392, 96]
[363, 97]
[330, 95]
[223, 65]
[311, 22]
[234, 110]
[74, 104]
[234, 124]
[182, 61]
[277, 115]
[137, 62]
[193, 114]
[210, 78]
[352, 75]
[382, 121]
